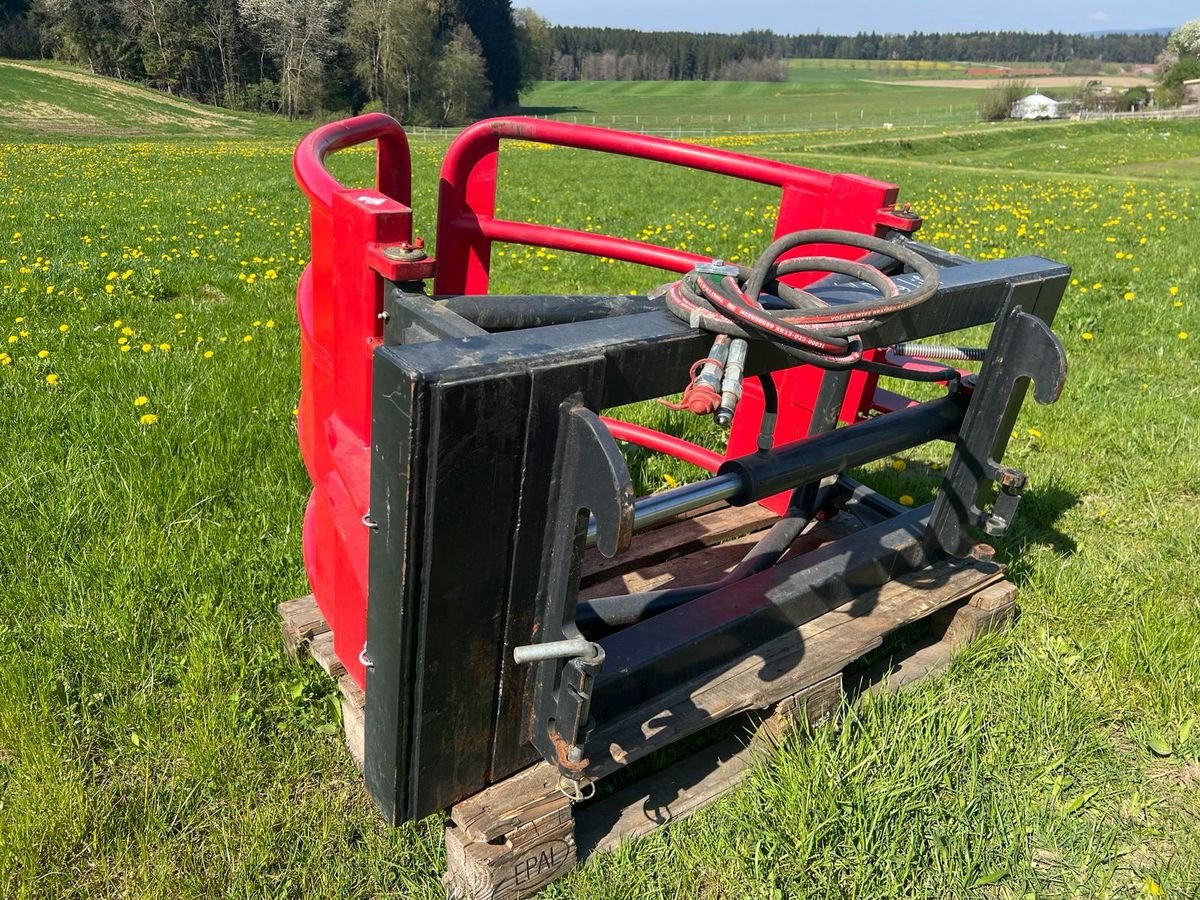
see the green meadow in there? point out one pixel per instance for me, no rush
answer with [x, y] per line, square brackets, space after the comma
[836, 94]
[154, 740]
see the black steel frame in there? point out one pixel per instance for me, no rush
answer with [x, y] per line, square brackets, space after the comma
[488, 456]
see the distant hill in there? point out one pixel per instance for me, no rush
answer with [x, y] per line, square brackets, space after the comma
[38, 97]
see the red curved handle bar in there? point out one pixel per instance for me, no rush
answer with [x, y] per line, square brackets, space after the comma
[460, 156]
[393, 173]
[467, 224]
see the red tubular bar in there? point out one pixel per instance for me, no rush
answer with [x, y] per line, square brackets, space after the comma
[467, 224]
[664, 443]
[393, 173]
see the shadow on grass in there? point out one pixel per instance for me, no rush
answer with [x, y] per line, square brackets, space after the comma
[1036, 524]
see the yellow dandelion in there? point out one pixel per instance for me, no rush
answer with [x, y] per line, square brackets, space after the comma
[52, 379]
[178, 316]
[906, 500]
[126, 348]
[208, 354]
[1173, 290]
[1183, 335]
[146, 348]
[899, 465]
[141, 401]
[1129, 295]
[1087, 335]
[64, 328]
[164, 346]
[1033, 432]
[108, 289]
[43, 354]
[247, 338]
[147, 419]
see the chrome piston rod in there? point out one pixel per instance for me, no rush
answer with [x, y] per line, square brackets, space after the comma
[655, 508]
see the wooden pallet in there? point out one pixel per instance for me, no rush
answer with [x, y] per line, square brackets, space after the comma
[520, 834]
[306, 631]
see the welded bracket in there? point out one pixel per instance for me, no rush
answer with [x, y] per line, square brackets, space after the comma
[590, 477]
[1022, 349]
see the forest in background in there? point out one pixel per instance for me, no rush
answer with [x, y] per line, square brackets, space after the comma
[625, 54]
[445, 62]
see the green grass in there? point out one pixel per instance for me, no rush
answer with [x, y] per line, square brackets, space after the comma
[155, 742]
[811, 99]
[806, 69]
[46, 98]
[1163, 148]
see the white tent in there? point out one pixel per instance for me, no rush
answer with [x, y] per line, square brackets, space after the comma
[1035, 106]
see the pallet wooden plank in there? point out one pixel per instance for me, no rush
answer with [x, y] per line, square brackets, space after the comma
[530, 857]
[817, 649]
[508, 804]
[678, 538]
[320, 648]
[668, 796]
[698, 568]
[301, 620]
[711, 564]
[354, 703]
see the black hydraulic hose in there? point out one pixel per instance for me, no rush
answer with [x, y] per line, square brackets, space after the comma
[603, 614]
[945, 373]
[766, 428]
[729, 299]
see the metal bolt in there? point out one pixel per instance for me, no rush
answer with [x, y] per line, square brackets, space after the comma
[405, 252]
[577, 647]
[384, 316]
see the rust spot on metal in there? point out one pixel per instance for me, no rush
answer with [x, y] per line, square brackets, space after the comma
[562, 752]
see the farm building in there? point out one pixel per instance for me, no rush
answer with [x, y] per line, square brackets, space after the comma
[1191, 91]
[1035, 106]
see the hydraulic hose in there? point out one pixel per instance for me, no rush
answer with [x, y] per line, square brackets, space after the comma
[729, 299]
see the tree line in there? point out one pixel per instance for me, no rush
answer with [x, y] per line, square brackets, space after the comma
[437, 62]
[626, 54]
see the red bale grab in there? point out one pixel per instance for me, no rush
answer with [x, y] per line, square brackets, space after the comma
[339, 301]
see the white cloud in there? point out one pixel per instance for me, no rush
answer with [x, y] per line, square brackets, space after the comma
[1099, 16]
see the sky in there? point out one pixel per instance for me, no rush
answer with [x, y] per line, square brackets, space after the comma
[851, 16]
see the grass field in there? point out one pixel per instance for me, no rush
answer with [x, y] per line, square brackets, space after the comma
[155, 742]
[839, 96]
[42, 98]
